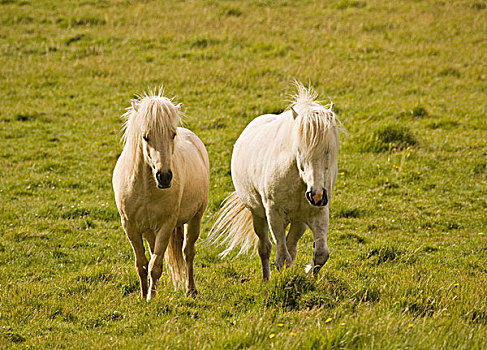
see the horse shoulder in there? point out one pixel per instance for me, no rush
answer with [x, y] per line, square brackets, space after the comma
[120, 175]
[191, 142]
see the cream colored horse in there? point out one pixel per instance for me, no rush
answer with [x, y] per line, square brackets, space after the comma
[161, 185]
[284, 168]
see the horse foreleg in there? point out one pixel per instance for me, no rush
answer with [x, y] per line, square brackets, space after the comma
[191, 235]
[151, 240]
[157, 258]
[277, 226]
[141, 262]
[296, 231]
[265, 245]
[319, 226]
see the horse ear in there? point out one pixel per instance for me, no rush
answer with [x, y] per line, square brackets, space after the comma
[295, 114]
[135, 105]
[178, 106]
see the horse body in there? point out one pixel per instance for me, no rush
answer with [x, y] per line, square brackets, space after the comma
[283, 168]
[166, 210]
[264, 168]
[140, 199]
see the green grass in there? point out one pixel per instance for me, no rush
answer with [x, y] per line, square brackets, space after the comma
[408, 229]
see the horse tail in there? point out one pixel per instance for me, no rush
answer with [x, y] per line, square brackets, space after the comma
[175, 262]
[233, 227]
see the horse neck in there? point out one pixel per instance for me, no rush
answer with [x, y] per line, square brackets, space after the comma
[286, 141]
[295, 138]
[139, 170]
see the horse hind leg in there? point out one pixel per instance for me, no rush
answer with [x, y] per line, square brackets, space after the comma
[296, 231]
[265, 245]
[141, 262]
[191, 235]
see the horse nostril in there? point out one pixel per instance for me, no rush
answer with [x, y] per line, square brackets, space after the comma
[309, 197]
[164, 179]
[317, 197]
[324, 200]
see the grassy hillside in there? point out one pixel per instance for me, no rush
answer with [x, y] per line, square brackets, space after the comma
[408, 229]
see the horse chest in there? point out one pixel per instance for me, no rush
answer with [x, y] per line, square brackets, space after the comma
[149, 211]
[290, 201]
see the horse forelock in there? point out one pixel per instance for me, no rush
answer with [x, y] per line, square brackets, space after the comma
[316, 124]
[154, 114]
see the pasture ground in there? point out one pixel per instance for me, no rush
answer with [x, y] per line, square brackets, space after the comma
[408, 231]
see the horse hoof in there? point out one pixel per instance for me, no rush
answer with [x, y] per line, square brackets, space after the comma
[151, 295]
[283, 262]
[317, 269]
[193, 293]
[312, 269]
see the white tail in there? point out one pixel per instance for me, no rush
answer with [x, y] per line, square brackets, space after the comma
[175, 262]
[234, 227]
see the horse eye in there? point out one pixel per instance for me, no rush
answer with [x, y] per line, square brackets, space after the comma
[146, 138]
[173, 136]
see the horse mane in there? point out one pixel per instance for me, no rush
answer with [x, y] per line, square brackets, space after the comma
[154, 113]
[316, 124]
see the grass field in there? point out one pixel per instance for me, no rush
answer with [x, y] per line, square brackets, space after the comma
[408, 228]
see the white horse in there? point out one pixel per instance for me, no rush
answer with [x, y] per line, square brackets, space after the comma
[284, 168]
[161, 183]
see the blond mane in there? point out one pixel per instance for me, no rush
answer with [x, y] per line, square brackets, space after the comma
[317, 125]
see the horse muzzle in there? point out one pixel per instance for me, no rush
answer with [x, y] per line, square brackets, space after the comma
[318, 198]
[164, 179]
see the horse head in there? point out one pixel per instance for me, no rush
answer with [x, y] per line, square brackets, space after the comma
[316, 145]
[158, 119]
